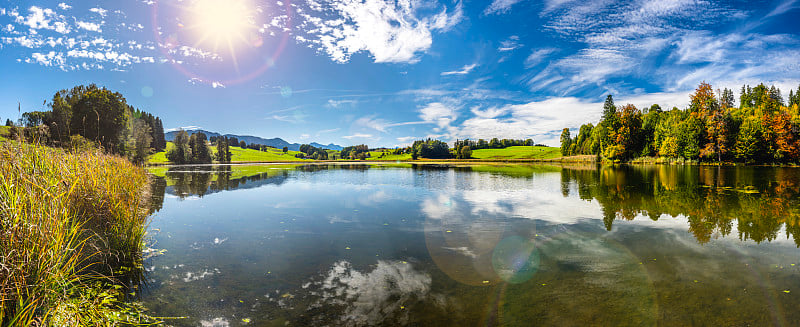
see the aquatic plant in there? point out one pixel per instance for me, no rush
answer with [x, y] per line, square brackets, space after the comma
[72, 229]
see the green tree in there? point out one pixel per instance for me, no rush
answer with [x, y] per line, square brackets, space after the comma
[566, 142]
[466, 152]
[223, 151]
[749, 140]
[102, 116]
[180, 153]
[200, 151]
[142, 139]
[285, 149]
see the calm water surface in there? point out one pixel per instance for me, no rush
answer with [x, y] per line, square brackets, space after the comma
[359, 245]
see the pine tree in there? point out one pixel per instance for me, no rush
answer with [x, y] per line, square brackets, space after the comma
[609, 109]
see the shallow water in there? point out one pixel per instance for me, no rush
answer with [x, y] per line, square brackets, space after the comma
[513, 245]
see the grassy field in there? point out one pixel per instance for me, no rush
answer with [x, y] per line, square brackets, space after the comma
[73, 229]
[376, 155]
[518, 152]
[237, 155]
[277, 155]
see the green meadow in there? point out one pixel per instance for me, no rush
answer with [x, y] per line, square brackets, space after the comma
[237, 155]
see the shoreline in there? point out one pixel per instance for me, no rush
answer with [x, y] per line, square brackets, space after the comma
[560, 160]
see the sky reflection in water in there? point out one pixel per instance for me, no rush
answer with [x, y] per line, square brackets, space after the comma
[512, 245]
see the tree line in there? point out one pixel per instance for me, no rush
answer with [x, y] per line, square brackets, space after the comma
[309, 151]
[88, 115]
[761, 129]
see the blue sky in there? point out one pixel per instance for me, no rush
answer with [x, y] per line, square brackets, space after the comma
[387, 72]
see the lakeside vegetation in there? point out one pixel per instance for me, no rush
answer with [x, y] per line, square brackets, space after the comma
[763, 129]
[73, 233]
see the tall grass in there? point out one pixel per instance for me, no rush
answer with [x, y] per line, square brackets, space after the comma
[72, 228]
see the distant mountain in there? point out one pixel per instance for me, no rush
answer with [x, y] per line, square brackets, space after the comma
[274, 142]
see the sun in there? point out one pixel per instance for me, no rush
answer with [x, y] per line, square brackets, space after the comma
[221, 23]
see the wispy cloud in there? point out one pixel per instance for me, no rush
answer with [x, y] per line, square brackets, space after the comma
[538, 56]
[358, 136]
[624, 39]
[510, 44]
[382, 125]
[499, 6]
[463, 71]
[337, 104]
[326, 131]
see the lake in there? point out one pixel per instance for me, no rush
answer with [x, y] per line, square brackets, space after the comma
[437, 245]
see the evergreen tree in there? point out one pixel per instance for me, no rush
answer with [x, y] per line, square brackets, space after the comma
[180, 153]
[609, 109]
[566, 142]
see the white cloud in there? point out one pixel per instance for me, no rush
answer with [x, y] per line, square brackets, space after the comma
[357, 136]
[438, 113]
[64, 6]
[217, 85]
[370, 298]
[463, 71]
[336, 104]
[373, 123]
[544, 120]
[390, 31]
[50, 59]
[100, 11]
[499, 6]
[538, 56]
[89, 26]
[783, 7]
[623, 39]
[511, 44]
[42, 18]
[185, 128]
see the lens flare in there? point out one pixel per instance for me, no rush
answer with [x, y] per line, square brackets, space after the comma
[515, 259]
[218, 21]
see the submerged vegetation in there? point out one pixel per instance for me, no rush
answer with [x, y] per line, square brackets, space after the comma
[73, 229]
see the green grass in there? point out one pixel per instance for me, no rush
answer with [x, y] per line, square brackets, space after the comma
[237, 155]
[518, 152]
[72, 234]
[277, 155]
[376, 155]
[250, 155]
[4, 130]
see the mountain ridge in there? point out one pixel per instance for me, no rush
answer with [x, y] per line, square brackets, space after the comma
[276, 142]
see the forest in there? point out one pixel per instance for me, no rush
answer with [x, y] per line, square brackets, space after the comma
[89, 116]
[761, 129]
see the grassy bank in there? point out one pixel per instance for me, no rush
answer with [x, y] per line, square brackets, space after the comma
[73, 228]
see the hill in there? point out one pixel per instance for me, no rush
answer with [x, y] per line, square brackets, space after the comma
[273, 142]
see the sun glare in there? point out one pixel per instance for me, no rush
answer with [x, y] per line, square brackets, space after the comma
[221, 23]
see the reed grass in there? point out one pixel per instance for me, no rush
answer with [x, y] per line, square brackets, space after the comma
[72, 229]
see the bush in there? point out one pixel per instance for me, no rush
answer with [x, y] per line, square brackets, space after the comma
[71, 224]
